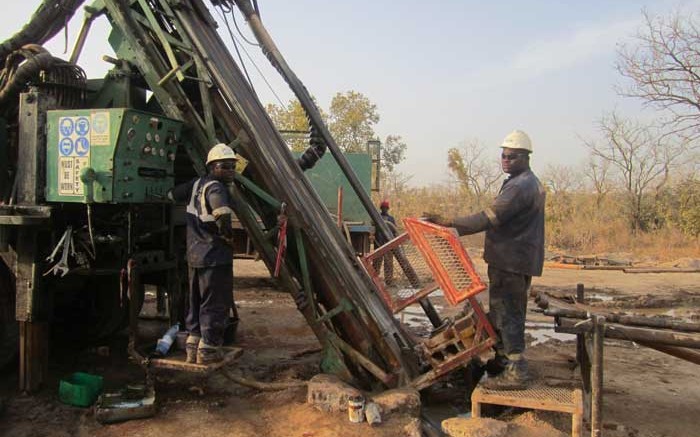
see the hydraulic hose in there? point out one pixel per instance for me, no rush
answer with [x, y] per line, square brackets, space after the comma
[15, 77]
[50, 17]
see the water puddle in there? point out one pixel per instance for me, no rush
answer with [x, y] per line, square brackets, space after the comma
[414, 317]
[253, 303]
[543, 332]
[601, 297]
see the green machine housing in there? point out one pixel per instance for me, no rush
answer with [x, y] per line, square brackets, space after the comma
[114, 155]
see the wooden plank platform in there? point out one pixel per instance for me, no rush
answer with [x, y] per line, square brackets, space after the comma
[176, 361]
[537, 397]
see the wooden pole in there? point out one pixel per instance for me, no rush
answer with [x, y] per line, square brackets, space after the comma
[579, 293]
[678, 352]
[340, 207]
[597, 377]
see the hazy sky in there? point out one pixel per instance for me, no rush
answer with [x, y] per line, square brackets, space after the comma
[442, 72]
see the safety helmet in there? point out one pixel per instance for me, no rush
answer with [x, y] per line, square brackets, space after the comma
[384, 204]
[220, 152]
[517, 140]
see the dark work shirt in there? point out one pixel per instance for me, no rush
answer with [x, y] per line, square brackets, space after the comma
[515, 239]
[391, 223]
[205, 246]
[514, 226]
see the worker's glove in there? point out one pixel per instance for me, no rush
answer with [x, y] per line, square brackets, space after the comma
[170, 196]
[436, 218]
[223, 223]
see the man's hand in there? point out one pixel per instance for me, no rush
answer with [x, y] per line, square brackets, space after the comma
[436, 218]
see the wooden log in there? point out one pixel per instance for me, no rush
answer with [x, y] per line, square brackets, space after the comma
[678, 352]
[658, 270]
[558, 308]
[636, 334]
[556, 265]
[599, 328]
[604, 267]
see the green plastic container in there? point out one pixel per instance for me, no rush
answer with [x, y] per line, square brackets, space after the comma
[80, 389]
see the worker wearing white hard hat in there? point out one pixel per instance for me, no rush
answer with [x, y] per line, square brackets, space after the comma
[209, 255]
[514, 252]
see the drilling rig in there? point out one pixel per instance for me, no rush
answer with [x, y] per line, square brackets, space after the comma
[88, 163]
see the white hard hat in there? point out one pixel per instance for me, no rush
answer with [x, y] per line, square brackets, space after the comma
[220, 152]
[517, 140]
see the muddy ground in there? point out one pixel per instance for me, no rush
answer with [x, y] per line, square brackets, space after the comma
[647, 393]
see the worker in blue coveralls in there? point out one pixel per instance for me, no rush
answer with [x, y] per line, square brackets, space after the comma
[209, 255]
[380, 241]
[514, 252]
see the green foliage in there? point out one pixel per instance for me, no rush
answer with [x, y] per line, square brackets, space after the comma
[393, 152]
[291, 118]
[352, 120]
[689, 207]
[680, 206]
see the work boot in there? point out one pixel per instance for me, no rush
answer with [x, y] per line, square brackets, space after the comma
[208, 354]
[496, 365]
[514, 377]
[191, 346]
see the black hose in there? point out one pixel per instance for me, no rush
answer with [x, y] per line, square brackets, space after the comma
[21, 67]
[48, 19]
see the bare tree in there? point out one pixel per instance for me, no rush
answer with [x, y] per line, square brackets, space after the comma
[561, 179]
[640, 157]
[597, 171]
[664, 66]
[475, 171]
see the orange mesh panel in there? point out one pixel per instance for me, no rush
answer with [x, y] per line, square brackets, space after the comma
[429, 258]
[449, 263]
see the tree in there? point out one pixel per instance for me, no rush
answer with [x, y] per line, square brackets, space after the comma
[641, 158]
[597, 172]
[292, 119]
[393, 151]
[561, 179]
[352, 120]
[476, 174]
[664, 66]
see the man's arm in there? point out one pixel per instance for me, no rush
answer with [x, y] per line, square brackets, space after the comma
[218, 199]
[508, 203]
[181, 193]
[471, 224]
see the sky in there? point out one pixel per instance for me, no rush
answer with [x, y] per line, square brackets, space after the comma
[441, 73]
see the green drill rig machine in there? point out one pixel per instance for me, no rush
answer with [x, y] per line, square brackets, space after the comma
[86, 165]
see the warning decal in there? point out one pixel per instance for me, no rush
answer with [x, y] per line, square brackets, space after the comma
[99, 135]
[74, 135]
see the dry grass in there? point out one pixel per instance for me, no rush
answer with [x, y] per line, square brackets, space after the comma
[575, 224]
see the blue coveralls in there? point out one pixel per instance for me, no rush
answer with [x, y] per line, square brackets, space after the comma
[209, 257]
[387, 259]
[514, 252]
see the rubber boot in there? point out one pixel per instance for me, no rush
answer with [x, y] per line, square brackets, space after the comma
[191, 347]
[208, 354]
[514, 377]
[496, 365]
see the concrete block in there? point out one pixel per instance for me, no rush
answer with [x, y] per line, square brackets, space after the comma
[412, 429]
[474, 427]
[328, 393]
[400, 400]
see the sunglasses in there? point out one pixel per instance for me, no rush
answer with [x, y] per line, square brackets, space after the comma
[226, 166]
[511, 156]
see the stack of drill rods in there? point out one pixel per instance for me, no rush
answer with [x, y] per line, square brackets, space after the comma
[558, 307]
[654, 332]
